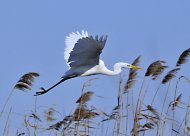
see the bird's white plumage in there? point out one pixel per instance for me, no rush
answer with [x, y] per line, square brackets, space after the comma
[82, 54]
[70, 42]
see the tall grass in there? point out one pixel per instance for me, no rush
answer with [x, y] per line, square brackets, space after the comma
[154, 111]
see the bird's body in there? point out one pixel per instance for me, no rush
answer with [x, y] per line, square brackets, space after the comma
[82, 56]
[102, 69]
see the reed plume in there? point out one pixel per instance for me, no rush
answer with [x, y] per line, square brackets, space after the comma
[153, 111]
[183, 57]
[160, 69]
[176, 102]
[85, 97]
[26, 81]
[49, 114]
[113, 115]
[132, 75]
[66, 119]
[56, 126]
[148, 125]
[20, 134]
[83, 112]
[155, 69]
[152, 67]
[33, 115]
[171, 74]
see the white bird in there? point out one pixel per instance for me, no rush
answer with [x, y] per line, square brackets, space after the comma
[82, 54]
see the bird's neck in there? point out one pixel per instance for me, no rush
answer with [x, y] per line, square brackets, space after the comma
[116, 69]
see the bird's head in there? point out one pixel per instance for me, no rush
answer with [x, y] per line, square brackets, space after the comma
[132, 66]
[126, 65]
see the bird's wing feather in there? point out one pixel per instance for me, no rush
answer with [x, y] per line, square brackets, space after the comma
[83, 50]
[86, 51]
[70, 42]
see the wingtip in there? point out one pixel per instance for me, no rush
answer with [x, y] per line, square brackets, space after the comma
[84, 33]
[105, 39]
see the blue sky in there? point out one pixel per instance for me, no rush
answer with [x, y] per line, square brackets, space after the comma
[32, 35]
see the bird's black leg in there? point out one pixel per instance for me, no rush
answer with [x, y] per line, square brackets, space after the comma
[45, 91]
[41, 92]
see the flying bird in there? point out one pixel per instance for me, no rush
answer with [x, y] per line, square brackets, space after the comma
[82, 55]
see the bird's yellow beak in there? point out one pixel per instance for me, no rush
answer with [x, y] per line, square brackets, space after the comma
[135, 67]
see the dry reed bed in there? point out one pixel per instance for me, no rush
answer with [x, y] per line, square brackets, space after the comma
[148, 114]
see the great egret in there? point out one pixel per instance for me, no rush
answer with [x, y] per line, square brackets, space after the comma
[82, 56]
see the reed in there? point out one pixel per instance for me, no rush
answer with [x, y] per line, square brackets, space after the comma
[129, 116]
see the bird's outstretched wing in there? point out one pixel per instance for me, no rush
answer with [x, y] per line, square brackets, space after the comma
[86, 49]
[70, 42]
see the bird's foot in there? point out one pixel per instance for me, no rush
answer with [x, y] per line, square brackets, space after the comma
[41, 92]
